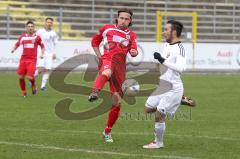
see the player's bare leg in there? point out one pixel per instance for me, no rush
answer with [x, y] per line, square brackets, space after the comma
[22, 85]
[188, 101]
[99, 84]
[159, 130]
[112, 117]
[149, 110]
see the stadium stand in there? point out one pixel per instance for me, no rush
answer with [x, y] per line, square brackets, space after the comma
[218, 21]
[17, 13]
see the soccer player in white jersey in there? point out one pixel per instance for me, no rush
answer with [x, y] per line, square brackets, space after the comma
[167, 97]
[50, 39]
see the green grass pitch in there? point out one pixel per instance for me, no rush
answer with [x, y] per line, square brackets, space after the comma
[29, 128]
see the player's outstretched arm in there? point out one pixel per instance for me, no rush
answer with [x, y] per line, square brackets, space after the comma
[97, 52]
[179, 66]
[42, 53]
[17, 44]
[14, 48]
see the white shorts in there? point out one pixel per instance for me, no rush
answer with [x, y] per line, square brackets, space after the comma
[166, 98]
[46, 62]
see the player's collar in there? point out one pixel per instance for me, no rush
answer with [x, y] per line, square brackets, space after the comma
[30, 35]
[175, 43]
[47, 29]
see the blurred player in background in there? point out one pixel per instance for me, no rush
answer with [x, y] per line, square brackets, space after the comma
[167, 97]
[50, 39]
[118, 40]
[27, 65]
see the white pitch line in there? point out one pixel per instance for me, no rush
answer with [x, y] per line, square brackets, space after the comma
[91, 151]
[119, 133]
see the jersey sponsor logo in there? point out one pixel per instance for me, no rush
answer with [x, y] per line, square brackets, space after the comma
[28, 38]
[121, 40]
[30, 46]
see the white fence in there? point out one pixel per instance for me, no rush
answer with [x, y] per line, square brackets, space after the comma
[206, 57]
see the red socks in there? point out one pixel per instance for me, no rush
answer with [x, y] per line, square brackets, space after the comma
[100, 82]
[114, 111]
[112, 118]
[33, 83]
[22, 85]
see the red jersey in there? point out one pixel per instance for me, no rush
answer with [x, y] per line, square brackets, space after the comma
[30, 46]
[117, 43]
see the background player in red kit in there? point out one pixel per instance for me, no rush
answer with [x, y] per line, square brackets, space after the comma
[27, 64]
[118, 40]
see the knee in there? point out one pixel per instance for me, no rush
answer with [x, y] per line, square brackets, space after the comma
[46, 70]
[40, 70]
[116, 99]
[160, 116]
[147, 110]
[29, 77]
[107, 72]
[21, 77]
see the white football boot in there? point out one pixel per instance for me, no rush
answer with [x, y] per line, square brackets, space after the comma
[107, 137]
[153, 145]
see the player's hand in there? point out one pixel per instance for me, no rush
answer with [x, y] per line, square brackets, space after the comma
[54, 56]
[41, 56]
[158, 57]
[133, 52]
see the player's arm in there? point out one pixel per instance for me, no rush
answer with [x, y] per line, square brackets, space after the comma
[16, 45]
[42, 47]
[96, 40]
[133, 50]
[55, 41]
[179, 66]
[14, 48]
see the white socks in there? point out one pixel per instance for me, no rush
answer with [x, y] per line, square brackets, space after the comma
[159, 132]
[44, 79]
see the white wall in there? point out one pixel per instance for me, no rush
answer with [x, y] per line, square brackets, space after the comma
[207, 56]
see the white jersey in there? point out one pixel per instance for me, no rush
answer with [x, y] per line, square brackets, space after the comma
[174, 64]
[50, 39]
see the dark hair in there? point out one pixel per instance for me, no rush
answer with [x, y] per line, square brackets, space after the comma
[49, 18]
[29, 22]
[126, 11]
[176, 25]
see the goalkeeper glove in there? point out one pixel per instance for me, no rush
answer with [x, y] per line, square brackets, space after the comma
[158, 57]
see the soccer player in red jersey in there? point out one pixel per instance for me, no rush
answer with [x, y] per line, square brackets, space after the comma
[27, 64]
[118, 41]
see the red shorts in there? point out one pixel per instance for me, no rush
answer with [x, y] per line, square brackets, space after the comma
[118, 74]
[26, 68]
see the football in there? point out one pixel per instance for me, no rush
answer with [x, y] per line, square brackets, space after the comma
[130, 87]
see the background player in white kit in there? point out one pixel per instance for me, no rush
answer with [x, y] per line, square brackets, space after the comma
[167, 97]
[50, 39]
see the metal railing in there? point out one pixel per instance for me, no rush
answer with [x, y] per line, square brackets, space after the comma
[217, 22]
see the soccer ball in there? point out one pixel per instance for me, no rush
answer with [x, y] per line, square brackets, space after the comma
[130, 87]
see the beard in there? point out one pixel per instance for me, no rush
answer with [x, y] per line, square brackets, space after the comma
[169, 39]
[122, 26]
